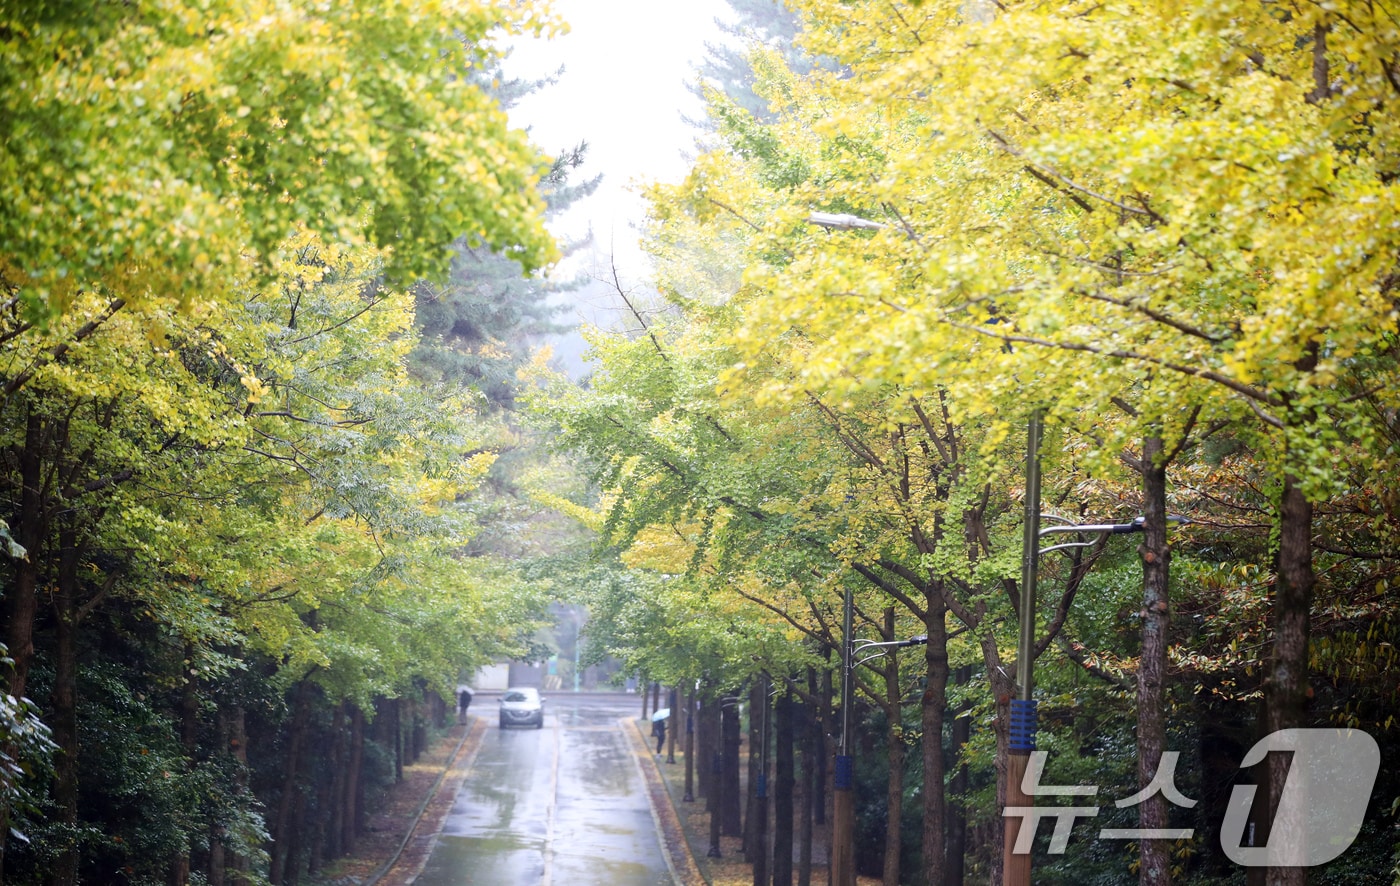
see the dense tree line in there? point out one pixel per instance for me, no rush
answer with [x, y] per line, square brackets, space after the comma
[1167, 234]
[251, 404]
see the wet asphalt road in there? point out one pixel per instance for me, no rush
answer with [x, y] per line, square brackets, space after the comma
[562, 805]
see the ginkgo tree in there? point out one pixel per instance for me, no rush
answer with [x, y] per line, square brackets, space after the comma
[262, 487]
[1185, 212]
[158, 153]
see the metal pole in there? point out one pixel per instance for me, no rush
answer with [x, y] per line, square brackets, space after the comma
[1030, 559]
[843, 867]
[1016, 869]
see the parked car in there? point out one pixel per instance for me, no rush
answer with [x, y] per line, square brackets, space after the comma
[522, 707]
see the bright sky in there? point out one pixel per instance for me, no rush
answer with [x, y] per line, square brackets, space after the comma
[627, 63]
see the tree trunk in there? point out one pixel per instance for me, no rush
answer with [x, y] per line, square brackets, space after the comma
[811, 764]
[717, 788]
[30, 530]
[1154, 855]
[396, 723]
[690, 701]
[821, 730]
[894, 755]
[1003, 688]
[335, 800]
[731, 811]
[784, 781]
[65, 704]
[935, 702]
[20, 601]
[238, 865]
[1286, 694]
[707, 739]
[216, 872]
[296, 840]
[675, 702]
[755, 842]
[181, 864]
[955, 868]
[350, 821]
[324, 828]
[419, 726]
[712, 785]
[756, 820]
[286, 805]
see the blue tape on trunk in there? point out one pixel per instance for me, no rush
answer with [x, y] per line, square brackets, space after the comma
[1023, 725]
[845, 772]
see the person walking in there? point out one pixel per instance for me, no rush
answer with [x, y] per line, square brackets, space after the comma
[658, 729]
[464, 701]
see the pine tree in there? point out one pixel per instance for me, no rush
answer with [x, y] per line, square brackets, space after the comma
[729, 68]
[477, 325]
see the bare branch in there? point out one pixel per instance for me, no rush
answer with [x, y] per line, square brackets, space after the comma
[1076, 654]
[1251, 394]
[892, 589]
[1178, 325]
[854, 444]
[623, 294]
[734, 213]
[1042, 172]
[374, 302]
[58, 351]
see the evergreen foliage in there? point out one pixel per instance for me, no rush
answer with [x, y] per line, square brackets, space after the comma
[1170, 230]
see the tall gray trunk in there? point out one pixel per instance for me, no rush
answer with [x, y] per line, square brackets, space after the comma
[756, 819]
[689, 723]
[1286, 694]
[1153, 813]
[731, 808]
[934, 706]
[756, 805]
[65, 699]
[894, 755]
[956, 849]
[784, 783]
[811, 763]
[283, 827]
[353, 781]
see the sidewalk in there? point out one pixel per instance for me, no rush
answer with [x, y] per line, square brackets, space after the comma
[688, 848]
[405, 822]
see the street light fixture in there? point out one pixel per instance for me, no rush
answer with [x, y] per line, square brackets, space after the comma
[842, 221]
[843, 859]
[843, 848]
[1016, 868]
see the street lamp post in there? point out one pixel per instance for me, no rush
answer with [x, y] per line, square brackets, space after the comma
[843, 859]
[1016, 867]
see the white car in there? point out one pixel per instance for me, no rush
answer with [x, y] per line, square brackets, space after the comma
[522, 707]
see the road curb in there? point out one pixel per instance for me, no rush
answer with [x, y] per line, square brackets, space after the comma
[674, 845]
[411, 857]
